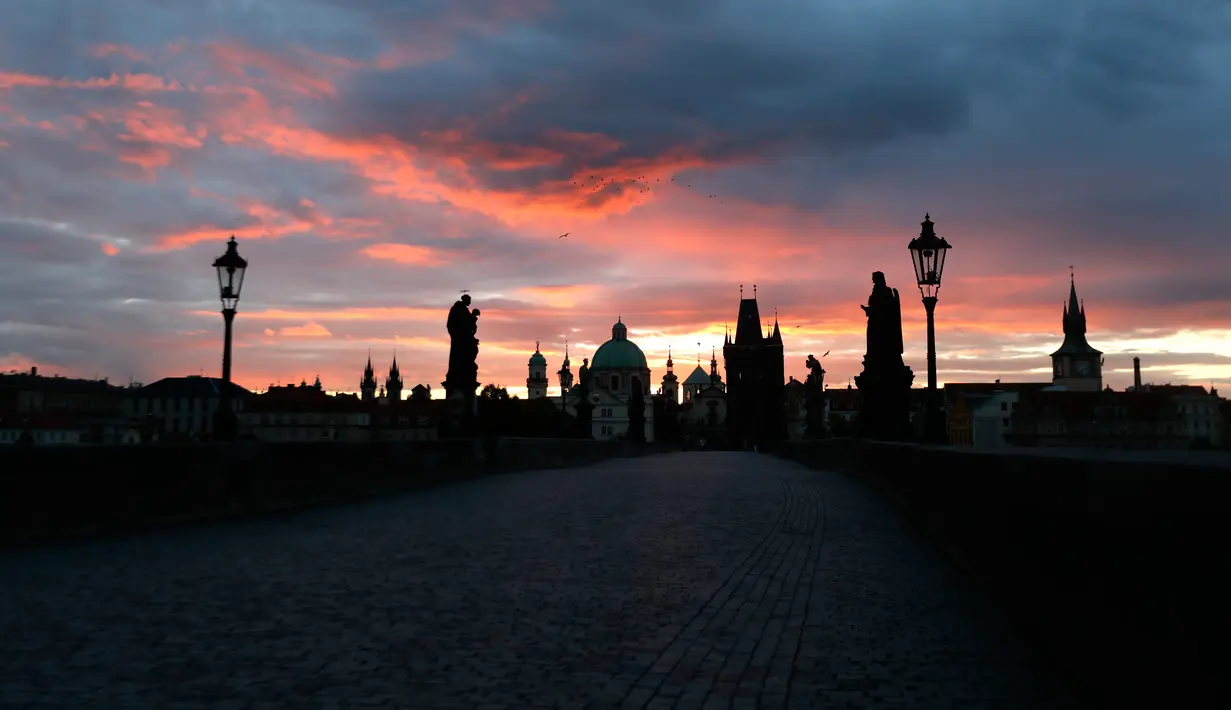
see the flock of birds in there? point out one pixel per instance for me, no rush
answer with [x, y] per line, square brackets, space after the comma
[597, 183]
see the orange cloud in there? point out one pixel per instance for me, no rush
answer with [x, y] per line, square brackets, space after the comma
[110, 249]
[134, 82]
[107, 50]
[346, 314]
[562, 296]
[235, 59]
[412, 254]
[311, 329]
[272, 224]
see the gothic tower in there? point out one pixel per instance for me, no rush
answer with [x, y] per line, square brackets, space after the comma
[755, 379]
[1076, 365]
[564, 375]
[393, 383]
[367, 386]
[715, 379]
[671, 383]
[536, 383]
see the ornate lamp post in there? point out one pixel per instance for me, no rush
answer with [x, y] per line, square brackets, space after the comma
[231, 267]
[928, 252]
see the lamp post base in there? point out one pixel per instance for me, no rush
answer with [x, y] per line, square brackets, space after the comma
[934, 429]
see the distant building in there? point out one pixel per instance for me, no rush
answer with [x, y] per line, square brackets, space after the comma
[305, 413]
[755, 367]
[841, 410]
[181, 407]
[980, 414]
[41, 410]
[618, 367]
[536, 383]
[1201, 417]
[1106, 419]
[1076, 365]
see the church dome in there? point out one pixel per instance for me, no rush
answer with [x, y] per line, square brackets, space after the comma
[537, 358]
[619, 353]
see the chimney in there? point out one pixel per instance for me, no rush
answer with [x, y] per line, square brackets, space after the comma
[1136, 374]
[34, 370]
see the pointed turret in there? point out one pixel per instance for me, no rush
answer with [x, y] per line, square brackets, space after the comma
[1076, 365]
[748, 323]
[776, 336]
[393, 383]
[564, 375]
[670, 384]
[1074, 312]
[367, 386]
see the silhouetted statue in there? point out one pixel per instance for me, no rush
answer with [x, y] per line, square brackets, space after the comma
[814, 398]
[462, 377]
[884, 311]
[816, 373]
[884, 384]
[584, 408]
[463, 346]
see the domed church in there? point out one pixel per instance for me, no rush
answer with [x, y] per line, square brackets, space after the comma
[618, 363]
[618, 367]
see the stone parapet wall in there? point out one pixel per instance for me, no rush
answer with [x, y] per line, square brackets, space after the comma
[54, 492]
[1113, 566]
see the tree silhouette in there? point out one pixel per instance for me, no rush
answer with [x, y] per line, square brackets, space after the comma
[492, 391]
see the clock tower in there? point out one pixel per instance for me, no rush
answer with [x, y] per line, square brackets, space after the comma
[1076, 365]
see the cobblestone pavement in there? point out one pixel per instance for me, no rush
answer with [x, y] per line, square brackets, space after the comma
[690, 580]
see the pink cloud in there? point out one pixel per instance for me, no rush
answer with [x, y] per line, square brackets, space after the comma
[311, 329]
[410, 254]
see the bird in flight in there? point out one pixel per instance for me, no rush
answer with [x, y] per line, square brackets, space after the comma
[562, 236]
[826, 353]
[465, 290]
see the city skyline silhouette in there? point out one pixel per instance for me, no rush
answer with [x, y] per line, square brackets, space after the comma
[129, 157]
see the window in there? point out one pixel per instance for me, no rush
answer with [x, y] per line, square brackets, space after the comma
[1005, 421]
[615, 382]
[1004, 406]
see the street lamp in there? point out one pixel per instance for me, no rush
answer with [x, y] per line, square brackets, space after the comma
[231, 267]
[928, 252]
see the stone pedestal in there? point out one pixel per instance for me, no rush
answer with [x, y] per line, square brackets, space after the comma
[461, 410]
[884, 389]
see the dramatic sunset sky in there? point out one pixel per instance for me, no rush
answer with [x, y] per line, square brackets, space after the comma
[375, 157]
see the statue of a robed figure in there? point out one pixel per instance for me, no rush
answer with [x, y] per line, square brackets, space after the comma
[814, 399]
[884, 384]
[583, 406]
[462, 378]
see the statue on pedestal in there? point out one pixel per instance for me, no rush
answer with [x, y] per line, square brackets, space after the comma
[584, 407]
[885, 381]
[462, 377]
[814, 398]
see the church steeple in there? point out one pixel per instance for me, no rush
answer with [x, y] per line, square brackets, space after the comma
[367, 386]
[670, 384]
[536, 383]
[1076, 365]
[393, 383]
[564, 374]
[1074, 312]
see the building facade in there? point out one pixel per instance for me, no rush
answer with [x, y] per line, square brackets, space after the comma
[755, 367]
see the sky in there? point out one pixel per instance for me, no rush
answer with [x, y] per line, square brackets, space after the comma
[375, 158]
